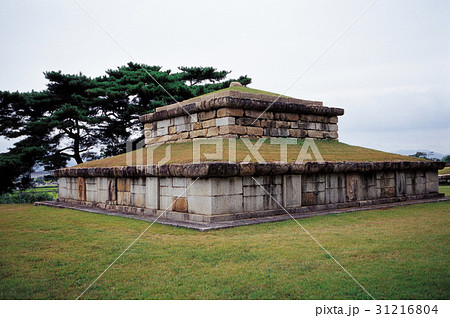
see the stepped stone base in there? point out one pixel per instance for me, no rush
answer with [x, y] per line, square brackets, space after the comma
[204, 226]
[219, 192]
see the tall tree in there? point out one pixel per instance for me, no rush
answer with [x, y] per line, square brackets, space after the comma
[136, 89]
[77, 114]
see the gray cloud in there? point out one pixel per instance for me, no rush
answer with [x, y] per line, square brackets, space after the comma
[390, 71]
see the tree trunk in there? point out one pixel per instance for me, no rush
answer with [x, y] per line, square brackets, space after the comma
[76, 151]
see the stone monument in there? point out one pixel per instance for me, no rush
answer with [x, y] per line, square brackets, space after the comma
[220, 191]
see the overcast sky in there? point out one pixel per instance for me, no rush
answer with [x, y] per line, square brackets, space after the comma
[390, 71]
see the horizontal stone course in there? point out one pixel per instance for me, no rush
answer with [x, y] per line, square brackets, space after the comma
[225, 169]
[253, 108]
[215, 199]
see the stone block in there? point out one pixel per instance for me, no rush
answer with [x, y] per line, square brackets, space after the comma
[315, 133]
[102, 183]
[332, 196]
[352, 187]
[202, 116]
[201, 187]
[209, 123]
[163, 123]
[400, 184]
[388, 192]
[258, 114]
[334, 180]
[297, 133]
[198, 133]
[254, 203]
[309, 198]
[410, 189]
[228, 112]
[172, 130]
[249, 180]
[152, 193]
[289, 116]
[333, 120]
[162, 131]
[321, 119]
[313, 183]
[192, 118]
[138, 199]
[212, 131]
[226, 186]
[123, 184]
[165, 203]
[181, 120]
[332, 127]
[180, 204]
[137, 182]
[264, 123]
[223, 121]
[81, 189]
[179, 182]
[227, 204]
[166, 191]
[282, 124]
[91, 196]
[253, 191]
[239, 130]
[196, 125]
[431, 176]
[165, 182]
[62, 182]
[321, 197]
[292, 190]
[199, 204]
[112, 189]
[333, 135]
[276, 132]
[432, 187]
[257, 131]
[123, 198]
[420, 188]
[248, 121]
[179, 192]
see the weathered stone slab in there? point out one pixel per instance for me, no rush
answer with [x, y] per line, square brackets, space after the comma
[81, 186]
[352, 187]
[123, 184]
[180, 204]
[292, 190]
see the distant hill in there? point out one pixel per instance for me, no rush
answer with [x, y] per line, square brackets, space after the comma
[430, 154]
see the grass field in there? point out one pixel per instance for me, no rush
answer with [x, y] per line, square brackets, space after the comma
[446, 170]
[398, 253]
[445, 190]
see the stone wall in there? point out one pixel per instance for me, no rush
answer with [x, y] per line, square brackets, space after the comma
[220, 199]
[232, 114]
[234, 123]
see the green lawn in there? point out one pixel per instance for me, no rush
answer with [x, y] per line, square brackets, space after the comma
[445, 190]
[398, 253]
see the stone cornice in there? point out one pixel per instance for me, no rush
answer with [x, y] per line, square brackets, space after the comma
[240, 103]
[225, 169]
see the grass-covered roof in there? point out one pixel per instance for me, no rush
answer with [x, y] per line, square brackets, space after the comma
[331, 151]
